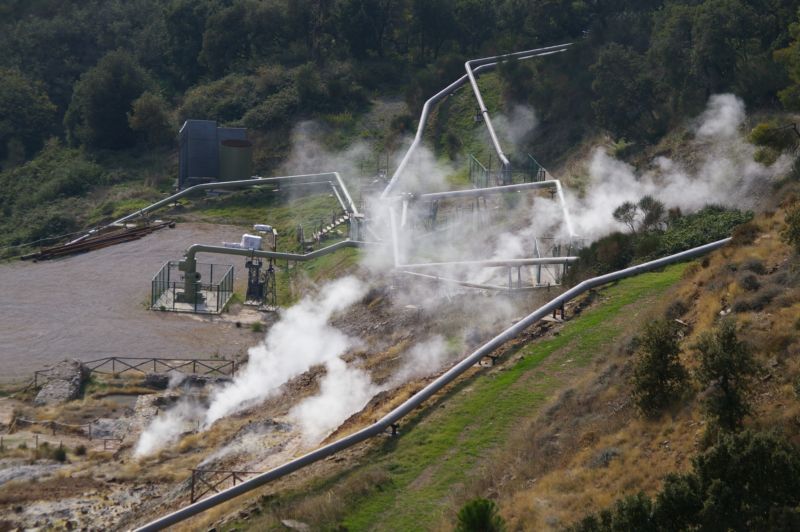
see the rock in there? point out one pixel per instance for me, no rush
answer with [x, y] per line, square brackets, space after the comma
[158, 381]
[291, 524]
[65, 381]
[604, 458]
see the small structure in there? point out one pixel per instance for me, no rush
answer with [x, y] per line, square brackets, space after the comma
[211, 287]
[212, 153]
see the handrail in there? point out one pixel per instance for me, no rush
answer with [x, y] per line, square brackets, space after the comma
[423, 395]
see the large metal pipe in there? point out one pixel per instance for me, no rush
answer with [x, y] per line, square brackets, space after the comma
[477, 192]
[194, 249]
[485, 64]
[423, 395]
[306, 179]
[482, 106]
[493, 263]
[467, 284]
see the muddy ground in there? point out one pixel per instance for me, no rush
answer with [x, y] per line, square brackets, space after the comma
[94, 305]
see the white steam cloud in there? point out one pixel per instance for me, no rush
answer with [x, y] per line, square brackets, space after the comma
[513, 128]
[423, 359]
[343, 391]
[301, 339]
[725, 173]
[167, 427]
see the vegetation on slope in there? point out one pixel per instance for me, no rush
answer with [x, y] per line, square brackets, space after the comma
[413, 481]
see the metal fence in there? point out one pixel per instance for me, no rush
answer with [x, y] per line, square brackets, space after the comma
[212, 293]
[524, 170]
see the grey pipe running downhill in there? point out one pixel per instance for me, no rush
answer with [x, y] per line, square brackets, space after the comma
[482, 106]
[481, 65]
[423, 395]
[306, 179]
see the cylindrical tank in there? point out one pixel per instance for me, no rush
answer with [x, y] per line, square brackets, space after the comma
[235, 159]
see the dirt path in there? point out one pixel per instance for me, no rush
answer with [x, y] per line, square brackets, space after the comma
[95, 305]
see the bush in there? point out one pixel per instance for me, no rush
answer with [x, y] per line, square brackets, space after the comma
[59, 454]
[749, 282]
[745, 234]
[791, 233]
[747, 481]
[706, 225]
[658, 375]
[80, 450]
[726, 370]
[755, 266]
[757, 302]
[479, 515]
[150, 117]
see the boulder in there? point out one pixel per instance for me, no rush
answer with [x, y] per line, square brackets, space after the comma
[64, 383]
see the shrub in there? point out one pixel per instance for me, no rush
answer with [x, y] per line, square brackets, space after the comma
[745, 234]
[150, 117]
[747, 481]
[658, 376]
[80, 450]
[480, 515]
[791, 234]
[676, 309]
[726, 370]
[59, 454]
[755, 266]
[749, 282]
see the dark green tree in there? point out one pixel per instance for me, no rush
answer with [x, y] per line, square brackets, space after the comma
[623, 93]
[726, 369]
[480, 515]
[150, 117]
[627, 214]
[27, 115]
[747, 481]
[658, 375]
[653, 213]
[97, 116]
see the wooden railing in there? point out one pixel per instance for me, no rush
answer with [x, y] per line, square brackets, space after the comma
[143, 365]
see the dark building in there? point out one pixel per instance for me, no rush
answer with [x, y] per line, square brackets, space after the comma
[200, 145]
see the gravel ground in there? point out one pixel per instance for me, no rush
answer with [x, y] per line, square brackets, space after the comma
[95, 305]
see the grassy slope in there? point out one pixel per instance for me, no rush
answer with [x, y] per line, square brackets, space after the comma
[445, 443]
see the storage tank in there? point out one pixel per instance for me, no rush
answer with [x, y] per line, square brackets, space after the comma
[235, 157]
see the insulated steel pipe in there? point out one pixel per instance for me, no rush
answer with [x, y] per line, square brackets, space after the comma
[307, 179]
[481, 65]
[493, 263]
[467, 284]
[423, 395]
[493, 61]
[194, 249]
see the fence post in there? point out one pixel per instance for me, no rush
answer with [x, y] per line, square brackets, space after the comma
[36, 437]
[192, 496]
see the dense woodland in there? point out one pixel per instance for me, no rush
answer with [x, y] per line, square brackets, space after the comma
[105, 84]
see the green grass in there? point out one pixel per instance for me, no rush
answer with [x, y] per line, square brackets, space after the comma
[442, 444]
[259, 206]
